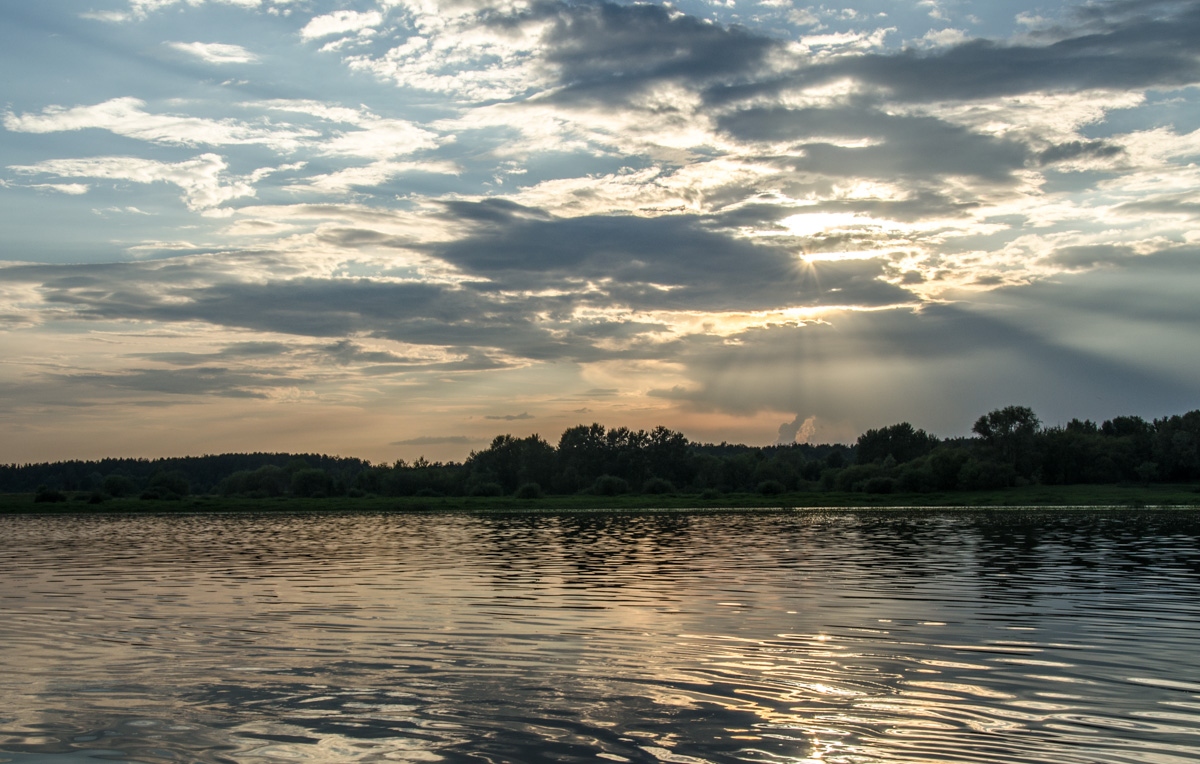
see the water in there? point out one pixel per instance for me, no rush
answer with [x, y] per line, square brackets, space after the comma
[798, 637]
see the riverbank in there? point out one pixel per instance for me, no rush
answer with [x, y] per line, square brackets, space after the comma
[1036, 496]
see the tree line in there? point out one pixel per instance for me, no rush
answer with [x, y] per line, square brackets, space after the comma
[1009, 447]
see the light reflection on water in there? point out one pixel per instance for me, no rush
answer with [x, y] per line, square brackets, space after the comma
[798, 637]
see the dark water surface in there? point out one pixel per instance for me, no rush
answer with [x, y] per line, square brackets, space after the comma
[798, 637]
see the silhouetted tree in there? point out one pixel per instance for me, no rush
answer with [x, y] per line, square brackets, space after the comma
[900, 441]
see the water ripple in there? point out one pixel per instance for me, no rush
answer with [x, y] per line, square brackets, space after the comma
[792, 636]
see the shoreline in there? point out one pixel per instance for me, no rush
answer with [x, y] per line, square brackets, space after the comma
[1036, 497]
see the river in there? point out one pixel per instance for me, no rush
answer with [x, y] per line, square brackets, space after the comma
[806, 636]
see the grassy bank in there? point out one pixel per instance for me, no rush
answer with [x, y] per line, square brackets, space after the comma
[1044, 496]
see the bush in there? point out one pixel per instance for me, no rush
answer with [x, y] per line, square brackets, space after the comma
[529, 491]
[46, 495]
[658, 486]
[486, 489]
[159, 493]
[710, 493]
[311, 483]
[96, 497]
[880, 485]
[855, 477]
[175, 483]
[916, 479]
[609, 485]
[118, 486]
[428, 493]
[978, 475]
[771, 488]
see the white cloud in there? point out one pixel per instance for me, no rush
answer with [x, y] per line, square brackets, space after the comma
[381, 139]
[128, 117]
[340, 22]
[203, 180]
[110, 16]
[375, 174]
[216, 52]
[452, 52]
[139, 9]
[839, 43]
[943, 38]
[377, 139]
[316, 109]
[71, 189]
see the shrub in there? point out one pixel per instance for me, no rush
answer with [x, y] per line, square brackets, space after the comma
[428, 493]
[880, 485]
[118, 486]
[46, 495]
[771, 488]
[158, 493]
[978, 475]
[487, 489]
[658, 486]
[529, 491]
[916, 479]
[311, 483]
[609, 485]
[175, 483]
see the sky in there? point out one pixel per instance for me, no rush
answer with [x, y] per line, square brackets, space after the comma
[393, 228]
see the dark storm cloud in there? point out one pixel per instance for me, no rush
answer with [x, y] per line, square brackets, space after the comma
[922, 203]
[1079, 150]
[346, 352]
[670, 262]
[606, 51]
[903, 146]
[468, 320]
[1116, 46]
[512, 417]
[1091, 255]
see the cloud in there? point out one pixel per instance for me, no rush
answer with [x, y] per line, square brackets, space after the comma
[195, 381]
[340, 22]
[71, 189]
[142, 8]
[1089, 256]
[860, 142]
[204, 180]
[671, 262]
[216, 52]
[436, 440]
[799, 430]
[1112, 50]
[374, 174]
[604, 46]
[512, 417]
[128, 117]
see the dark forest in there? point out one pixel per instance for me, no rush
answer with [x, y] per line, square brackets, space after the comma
[1010, 447]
